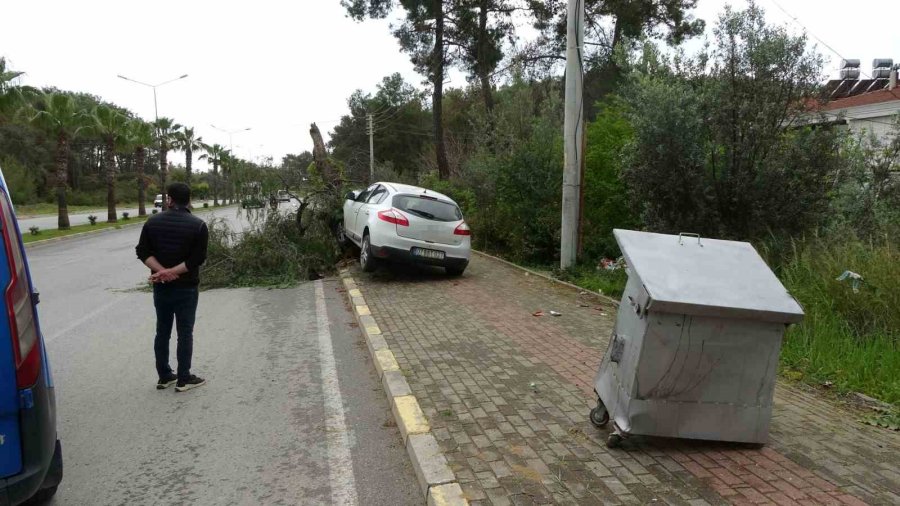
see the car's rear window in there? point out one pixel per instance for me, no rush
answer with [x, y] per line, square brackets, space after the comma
[427, 208]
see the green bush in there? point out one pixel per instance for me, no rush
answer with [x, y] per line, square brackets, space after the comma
[529, 189]
[200, 190]
[710, 152]
[606, 205]
[866, 196]
[851, 338]
[20, 181]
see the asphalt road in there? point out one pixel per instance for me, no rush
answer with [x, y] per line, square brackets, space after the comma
[51, 221]
[293, 412]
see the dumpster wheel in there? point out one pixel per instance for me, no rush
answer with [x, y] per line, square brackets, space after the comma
[599, 415]
[614, 440]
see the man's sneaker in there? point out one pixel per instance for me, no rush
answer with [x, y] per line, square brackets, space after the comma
[166, 382]
[192, 382]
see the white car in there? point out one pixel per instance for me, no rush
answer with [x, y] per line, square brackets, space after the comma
[157, 202]
[390, 221]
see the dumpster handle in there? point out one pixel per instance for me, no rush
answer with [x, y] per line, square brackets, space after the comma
[682, 235]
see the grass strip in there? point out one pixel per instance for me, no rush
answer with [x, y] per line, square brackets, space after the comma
[45, 209]
[43, 235]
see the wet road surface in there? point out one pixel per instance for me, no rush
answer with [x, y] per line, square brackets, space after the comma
[293, 412]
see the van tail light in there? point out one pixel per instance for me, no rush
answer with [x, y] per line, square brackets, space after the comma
[393, 216]
[19, 306]
[462, 229]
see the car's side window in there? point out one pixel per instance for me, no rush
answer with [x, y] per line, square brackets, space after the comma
[377, 196]
[365, 195]
[382, 197]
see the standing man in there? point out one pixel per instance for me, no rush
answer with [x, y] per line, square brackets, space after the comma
[173, 245]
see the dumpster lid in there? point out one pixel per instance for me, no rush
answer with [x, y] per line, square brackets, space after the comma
[707, 277]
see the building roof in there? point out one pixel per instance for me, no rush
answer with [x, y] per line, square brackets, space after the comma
[874, 97]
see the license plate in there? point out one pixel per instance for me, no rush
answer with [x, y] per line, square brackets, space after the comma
[428, 253]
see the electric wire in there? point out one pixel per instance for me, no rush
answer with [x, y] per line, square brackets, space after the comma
[796, 20]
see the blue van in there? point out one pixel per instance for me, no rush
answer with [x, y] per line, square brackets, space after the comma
[30, 452]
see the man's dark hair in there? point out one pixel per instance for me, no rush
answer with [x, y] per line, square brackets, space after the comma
[180, 193]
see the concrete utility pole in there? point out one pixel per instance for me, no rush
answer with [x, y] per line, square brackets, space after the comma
[371, 130]
[574, 136]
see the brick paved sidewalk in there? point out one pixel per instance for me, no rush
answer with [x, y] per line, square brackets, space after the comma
[507, 395]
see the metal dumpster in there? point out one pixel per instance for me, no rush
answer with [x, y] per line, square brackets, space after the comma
[695, 349]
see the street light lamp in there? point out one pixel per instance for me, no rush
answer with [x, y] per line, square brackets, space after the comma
[156, 123]
[230, 134]
[154, 86]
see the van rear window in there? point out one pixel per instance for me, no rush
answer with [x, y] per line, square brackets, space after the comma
[427, 208]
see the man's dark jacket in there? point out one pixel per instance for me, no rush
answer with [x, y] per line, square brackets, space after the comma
[175, 236]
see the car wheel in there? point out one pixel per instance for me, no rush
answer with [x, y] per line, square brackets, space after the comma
[366, 260]
[455, 271]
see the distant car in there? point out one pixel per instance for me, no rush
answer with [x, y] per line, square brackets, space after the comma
[158, 202]
[30, 453]
[284, 196]
[390, 221]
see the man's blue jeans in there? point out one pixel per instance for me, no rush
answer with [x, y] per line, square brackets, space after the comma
[178, 303]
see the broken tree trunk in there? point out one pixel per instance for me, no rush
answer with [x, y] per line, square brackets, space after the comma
[324, 166]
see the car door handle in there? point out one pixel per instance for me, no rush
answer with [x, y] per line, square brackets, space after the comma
[367, 213]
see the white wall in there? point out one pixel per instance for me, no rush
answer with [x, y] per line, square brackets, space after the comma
[880, 126]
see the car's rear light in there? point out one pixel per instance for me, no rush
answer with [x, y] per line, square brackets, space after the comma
[19, 307]
[462, 229]
[393, 216]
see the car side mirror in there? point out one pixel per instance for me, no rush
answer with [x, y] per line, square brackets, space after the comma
[352, 195]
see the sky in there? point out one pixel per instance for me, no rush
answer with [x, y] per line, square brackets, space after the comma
[276, 66]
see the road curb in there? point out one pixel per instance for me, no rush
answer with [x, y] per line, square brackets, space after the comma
[549, 278]
[436, 479]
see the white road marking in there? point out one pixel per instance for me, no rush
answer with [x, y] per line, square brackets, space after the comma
[84, 319]
[340, 464]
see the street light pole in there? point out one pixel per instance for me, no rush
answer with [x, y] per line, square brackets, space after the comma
[156, 127]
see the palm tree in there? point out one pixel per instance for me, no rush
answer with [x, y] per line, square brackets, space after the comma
[13, 97]
[109, 125]
[215, 154]
[58, 115]
[138, 136]
[166, 130]
[9, 92]
[228, 163]
[188, 142]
